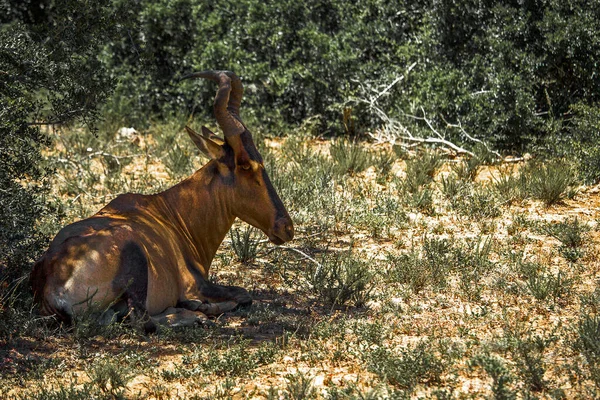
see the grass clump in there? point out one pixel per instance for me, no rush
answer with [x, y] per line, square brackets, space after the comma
[110, 378]
[509, 187]
[349, 157]
[550, 182]
[421, 170]
[407, 367]
[528, 350]
[502, 379]
[245, 243]
[472, 262]
[237, 358]
[415, 187]
[341, 279]
[467, 169]
[587, 343]
[549, 286]
[571, 234]
[418, 269]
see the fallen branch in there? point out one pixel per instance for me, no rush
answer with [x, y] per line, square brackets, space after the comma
[459, 126]
[395, 132]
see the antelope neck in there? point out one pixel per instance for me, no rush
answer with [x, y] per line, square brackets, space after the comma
[200, 207]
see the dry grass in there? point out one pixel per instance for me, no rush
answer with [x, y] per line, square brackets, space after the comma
[467, 296]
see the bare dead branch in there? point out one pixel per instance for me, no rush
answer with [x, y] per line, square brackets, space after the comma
[471, 138]
[393, 131]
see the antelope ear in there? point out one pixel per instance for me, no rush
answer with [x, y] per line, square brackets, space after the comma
[206, 145]
[209, 134]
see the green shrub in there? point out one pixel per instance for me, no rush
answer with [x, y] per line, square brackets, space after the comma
[340, 279]
[245, 243]
[543, 286]
[550, 182]
[502, 379]
[587, 343]
[51, 73]
[584, 143]
[349, 157]
[407, 367]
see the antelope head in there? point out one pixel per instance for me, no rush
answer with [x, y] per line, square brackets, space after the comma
[250, 193]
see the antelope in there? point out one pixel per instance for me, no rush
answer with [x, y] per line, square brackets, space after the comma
[148, 256]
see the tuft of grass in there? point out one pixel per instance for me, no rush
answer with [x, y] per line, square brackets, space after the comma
[405, 368]
[473, 261]
[341, 279]
[550, 182]
[245, 243]
[177, 161]
[299, 387]
[528, 350]
[349, 157]
[572, 234]
[509, 187]
[237, 359]
[72, 391]
[421, 170]
[451, 188]
[420, 270]
[587, 343]
[476, 202]
[422, 200]
[502, 379]
[409, 269]
[466, 170]
[110, 378]
[549, 286]
[383, 162]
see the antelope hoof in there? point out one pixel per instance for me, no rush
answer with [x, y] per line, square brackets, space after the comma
[179, 317]
[213, 309]
[243, 300]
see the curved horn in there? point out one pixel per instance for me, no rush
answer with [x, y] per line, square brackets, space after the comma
[227, 101]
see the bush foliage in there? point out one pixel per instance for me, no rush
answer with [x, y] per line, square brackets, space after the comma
[510, 72]
[50, 73]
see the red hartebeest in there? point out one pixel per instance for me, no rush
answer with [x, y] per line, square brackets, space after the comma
[152, 253]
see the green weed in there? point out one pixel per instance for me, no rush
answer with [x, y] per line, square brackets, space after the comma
[349, 157]
[245, 243]
[502, 379]
[587, 343]
[341, 279]
[550, 182]
[549, 286]
[406, 367]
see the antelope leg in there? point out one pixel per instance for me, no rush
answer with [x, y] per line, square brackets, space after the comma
[179, 317]
[211, 309]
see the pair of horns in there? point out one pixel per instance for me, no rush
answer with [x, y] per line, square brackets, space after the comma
[227, 101]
